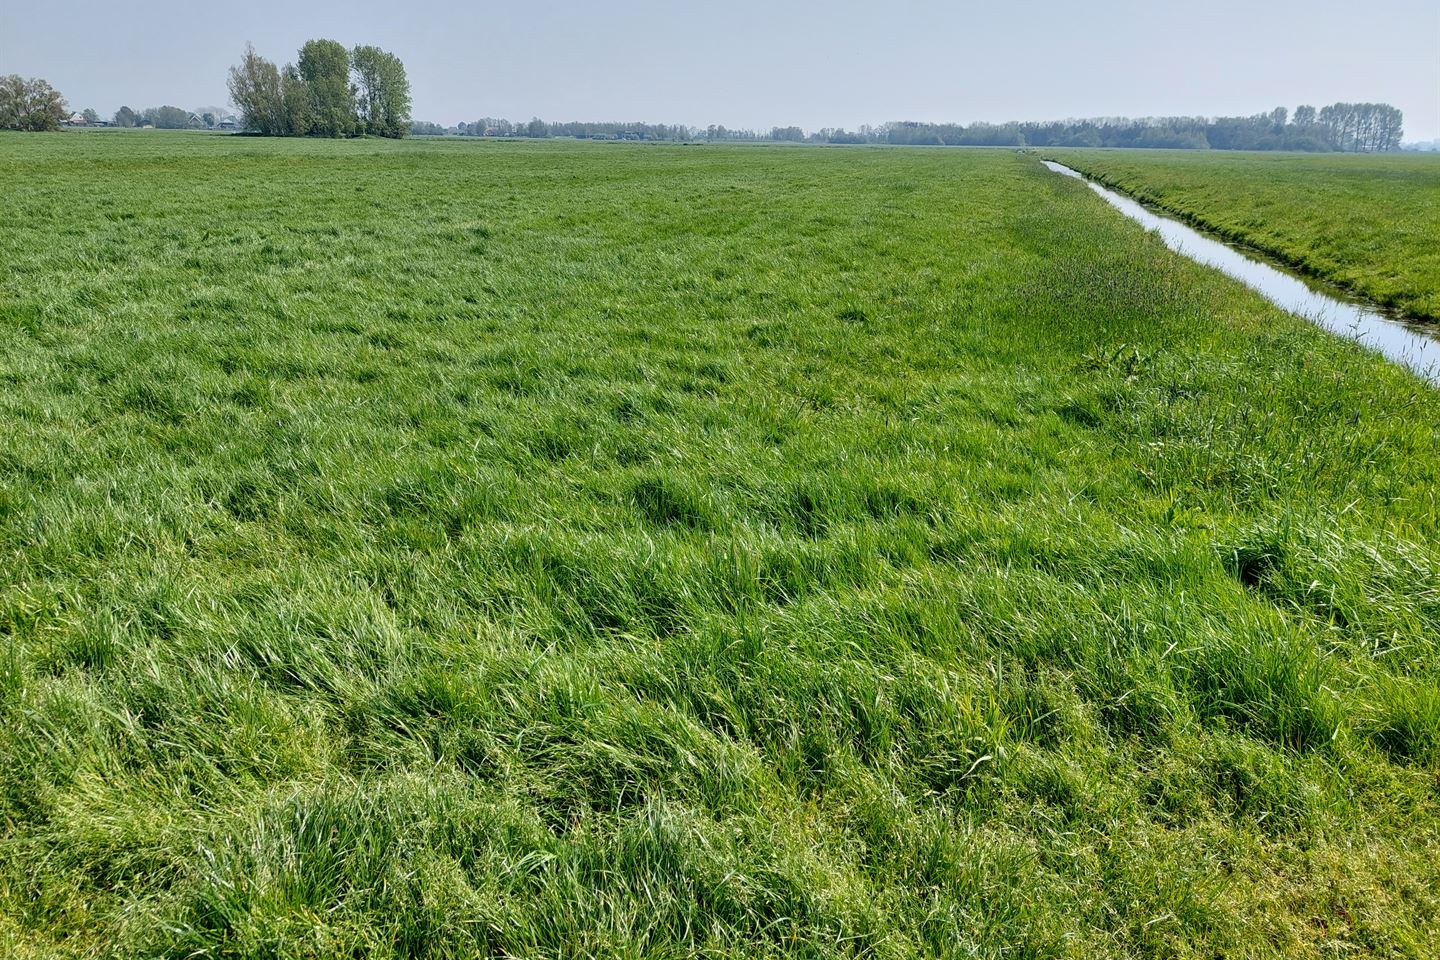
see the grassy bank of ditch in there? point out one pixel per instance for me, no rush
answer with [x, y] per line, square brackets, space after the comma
[1369, 223]
[436, 549]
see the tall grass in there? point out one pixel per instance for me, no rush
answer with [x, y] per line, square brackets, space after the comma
[452, 550]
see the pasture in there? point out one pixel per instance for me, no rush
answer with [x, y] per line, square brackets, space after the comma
[569, 550]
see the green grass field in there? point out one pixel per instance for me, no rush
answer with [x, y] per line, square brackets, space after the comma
[1370, 223]
[436, 549]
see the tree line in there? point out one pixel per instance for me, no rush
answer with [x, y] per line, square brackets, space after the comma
[168, 117]
[1362, 127]
[1349, 127]
[334, 92]
[540, 129]
[328, 92]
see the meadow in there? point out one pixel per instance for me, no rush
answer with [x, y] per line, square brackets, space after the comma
[434, 549]
[1366, 222]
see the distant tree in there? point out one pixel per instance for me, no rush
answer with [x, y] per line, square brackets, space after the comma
[325, 67]
[1278, 117]
[295, 108]
[208, 119]
[383, 92]
[537, 128]
[91, 117]
[124, 117]
[30, 104]
[982, 135]
[168, 117]
[1329, 120]
[1392, 128]
[1304, 116]
[1362, 127]
[256, 91]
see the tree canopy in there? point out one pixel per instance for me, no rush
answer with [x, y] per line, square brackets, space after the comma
[30, 104]
[328, 92]
[169, 117]
[383, 92]
[256, 92]
[324, 67]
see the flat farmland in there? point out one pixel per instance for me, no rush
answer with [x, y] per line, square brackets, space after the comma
[570, 550]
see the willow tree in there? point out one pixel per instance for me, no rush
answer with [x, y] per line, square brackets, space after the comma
[30, 104]
[257, 92]
[383, 92]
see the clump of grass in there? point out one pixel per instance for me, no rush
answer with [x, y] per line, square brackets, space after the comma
[1406, 720]
[1269, 683]
[666, 502]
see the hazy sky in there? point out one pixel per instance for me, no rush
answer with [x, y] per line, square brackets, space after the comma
[758, 63]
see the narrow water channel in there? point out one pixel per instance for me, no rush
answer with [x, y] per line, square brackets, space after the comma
[1412, 346]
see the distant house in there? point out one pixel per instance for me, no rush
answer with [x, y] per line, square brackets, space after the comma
[229, 123]
[74, 120]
